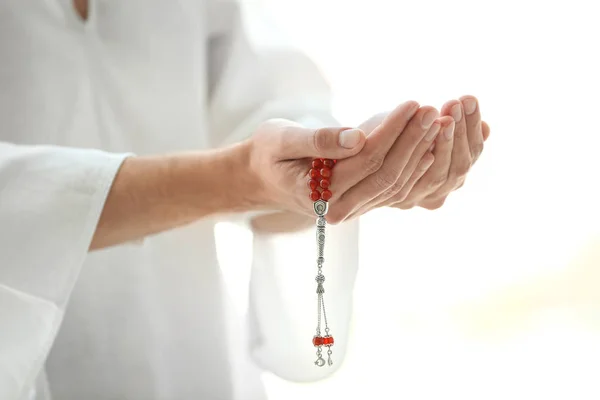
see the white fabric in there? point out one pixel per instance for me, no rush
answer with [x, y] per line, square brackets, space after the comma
[147, 320]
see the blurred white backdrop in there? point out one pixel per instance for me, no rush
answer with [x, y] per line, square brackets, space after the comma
[496, 294]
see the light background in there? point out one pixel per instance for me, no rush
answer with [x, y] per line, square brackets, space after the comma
[496, 295]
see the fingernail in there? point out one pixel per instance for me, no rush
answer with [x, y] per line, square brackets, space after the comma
[349, 138]
[470, 105]
[428, 119]
[433, 131]
[456, 112]
[449, 131]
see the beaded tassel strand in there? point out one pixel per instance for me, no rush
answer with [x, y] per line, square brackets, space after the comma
[319, 183]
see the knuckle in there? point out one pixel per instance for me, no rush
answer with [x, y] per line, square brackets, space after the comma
[461, 169]
[401, 195]
[395, 188]
[320, 140]
[460, 131]
[406, 205]
[276, 136]
[424, 165]
[373, 164]
[398, 186]
[385, 179]
[435, 204]
[476, 149]
[452, 184]
[391, 193]
[415, 135]
[437, 181]
[336, 216]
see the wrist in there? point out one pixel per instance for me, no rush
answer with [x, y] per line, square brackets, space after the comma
[219, 181]
[156, 193]
[246, 189]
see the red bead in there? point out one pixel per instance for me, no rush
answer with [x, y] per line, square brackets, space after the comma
[328, 163]
[315, 195]
[318, 341]
[317, 163]
[325, 172]
[328, 340]
[325, 183]
[326, 195]
[313, 184]
[314, 173]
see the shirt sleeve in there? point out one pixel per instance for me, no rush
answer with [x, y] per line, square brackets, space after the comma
[50, 201]
[256, 75]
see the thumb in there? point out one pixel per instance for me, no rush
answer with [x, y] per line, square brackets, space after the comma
[332, 143]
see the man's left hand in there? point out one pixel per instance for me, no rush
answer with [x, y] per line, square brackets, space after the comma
[454, 156]
[458, 145]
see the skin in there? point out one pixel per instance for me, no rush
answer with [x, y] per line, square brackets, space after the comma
[454, 156]
[157, 193]
[427, 181]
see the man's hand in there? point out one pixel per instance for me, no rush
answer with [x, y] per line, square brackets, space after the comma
[458, 145]
[411, 157]
[454, 154]
[280, 155]
[281, 151]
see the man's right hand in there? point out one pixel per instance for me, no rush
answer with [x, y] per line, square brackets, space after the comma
[281, 152]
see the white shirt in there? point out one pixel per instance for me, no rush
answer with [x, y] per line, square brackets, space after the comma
[147, 320]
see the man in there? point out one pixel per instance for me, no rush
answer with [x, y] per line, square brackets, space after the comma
[127, 241]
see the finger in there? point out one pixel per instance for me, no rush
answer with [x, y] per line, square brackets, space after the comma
[422, 168]
[416, 158]
[461, 153]
[395, 201]
[350, 172]
[394, 162]
[437, 175]
[295, 141]
[485, 130]
[473, 122]
[433, 204]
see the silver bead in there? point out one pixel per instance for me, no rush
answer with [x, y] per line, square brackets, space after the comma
[320, 236]
[321, 207]
[320, 279]
[320, 260]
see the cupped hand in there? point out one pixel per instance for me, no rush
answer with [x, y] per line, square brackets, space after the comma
[280, 156]
[455, 153]
[397, 153]
[281, 152]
